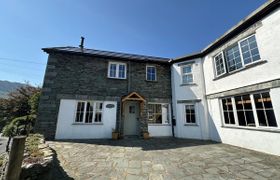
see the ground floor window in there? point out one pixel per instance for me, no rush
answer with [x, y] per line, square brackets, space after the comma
[190, 114]
[254, 110]
[88, 112]
[158, 113]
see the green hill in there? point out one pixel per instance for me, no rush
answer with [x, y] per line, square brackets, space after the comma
[6, 87]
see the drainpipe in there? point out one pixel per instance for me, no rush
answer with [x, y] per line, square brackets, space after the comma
[173, 120]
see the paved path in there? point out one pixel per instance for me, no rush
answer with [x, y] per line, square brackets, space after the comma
[158, 159]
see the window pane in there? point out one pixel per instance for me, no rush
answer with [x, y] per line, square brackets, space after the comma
[271, 118]
[244, 110]
[151, 73]
[219, 64]
[89, 112]
[121, 71]
[98, 117]
[265, 111]
[233, 58]
[250, 51]
[187, 69]
[155, 113]
[187, 78]
[226, 117]
[80, 112]
[228, 111]
[190, 113]
[261, 118]
[241, 118]
[266, 100]
[113, 70]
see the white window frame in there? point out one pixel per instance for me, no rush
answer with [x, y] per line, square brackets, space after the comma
[182, 74]
[94, 112]
[225, 69]
[254, 113]
[147, 72]
[117, 70]
[195, 114]
[241, 57]
[244, 65]
[168, 115]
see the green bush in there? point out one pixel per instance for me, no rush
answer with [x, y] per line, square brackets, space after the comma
[19, 126]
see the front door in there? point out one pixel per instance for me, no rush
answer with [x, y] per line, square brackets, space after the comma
[131, 118]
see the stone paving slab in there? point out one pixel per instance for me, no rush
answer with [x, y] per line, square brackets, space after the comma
[162, 158]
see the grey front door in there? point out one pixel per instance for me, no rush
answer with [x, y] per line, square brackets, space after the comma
[131, 118]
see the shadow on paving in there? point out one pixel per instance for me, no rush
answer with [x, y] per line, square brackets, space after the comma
[58, 172]
[146, 145]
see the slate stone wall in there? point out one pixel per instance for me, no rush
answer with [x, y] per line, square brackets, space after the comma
[70, 76]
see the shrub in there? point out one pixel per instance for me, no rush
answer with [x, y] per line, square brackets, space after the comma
[19, 126]
[32, 145]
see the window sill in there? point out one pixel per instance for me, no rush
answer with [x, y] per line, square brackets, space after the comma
[259, 62]
[188, 84]
[268, 129]
[155, 81]
[116, 78]
[87, 124]
[150, 124]
[190, 124]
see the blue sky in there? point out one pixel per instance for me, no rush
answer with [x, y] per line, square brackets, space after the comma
[166, 28]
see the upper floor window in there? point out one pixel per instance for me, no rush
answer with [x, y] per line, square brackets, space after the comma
[88, 112]
[249, 49]
[158, 113]
[151, 73]
[237, 56]
[187, 76]
[117, 70]
[254, 110]
[220, 64]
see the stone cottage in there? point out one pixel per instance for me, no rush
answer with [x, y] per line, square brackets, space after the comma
[229, 92]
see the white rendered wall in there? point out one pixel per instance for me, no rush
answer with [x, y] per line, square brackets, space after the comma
[158, 130]
[263, 141]
[66, 129]
[189, 92]
[268, 40]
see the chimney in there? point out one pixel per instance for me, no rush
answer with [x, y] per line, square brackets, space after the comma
[82, 42]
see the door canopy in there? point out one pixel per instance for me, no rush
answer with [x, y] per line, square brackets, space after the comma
[134, 96]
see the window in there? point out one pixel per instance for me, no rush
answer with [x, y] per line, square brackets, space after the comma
[132, 109]
[98, 112]
[237, 56]
[244, 110]
[80, 112]
[254, 110]
[250, 51]
[117, 70]
[264, 110]
[233, 58]
[190, 114]
[187, 76]
[158, 113]
[228, 111]
[88, 112]
[220, 64]
[151, 73]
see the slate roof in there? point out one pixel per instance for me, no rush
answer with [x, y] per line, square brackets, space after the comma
[99, 53]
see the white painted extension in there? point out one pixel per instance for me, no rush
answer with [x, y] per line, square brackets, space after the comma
[68, 129]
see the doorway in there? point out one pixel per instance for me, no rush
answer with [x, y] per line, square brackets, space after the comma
[131, 118]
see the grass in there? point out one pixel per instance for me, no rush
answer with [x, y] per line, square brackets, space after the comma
[31, 145]
[2, 159]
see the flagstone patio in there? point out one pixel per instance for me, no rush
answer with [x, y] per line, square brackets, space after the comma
[164, 158]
